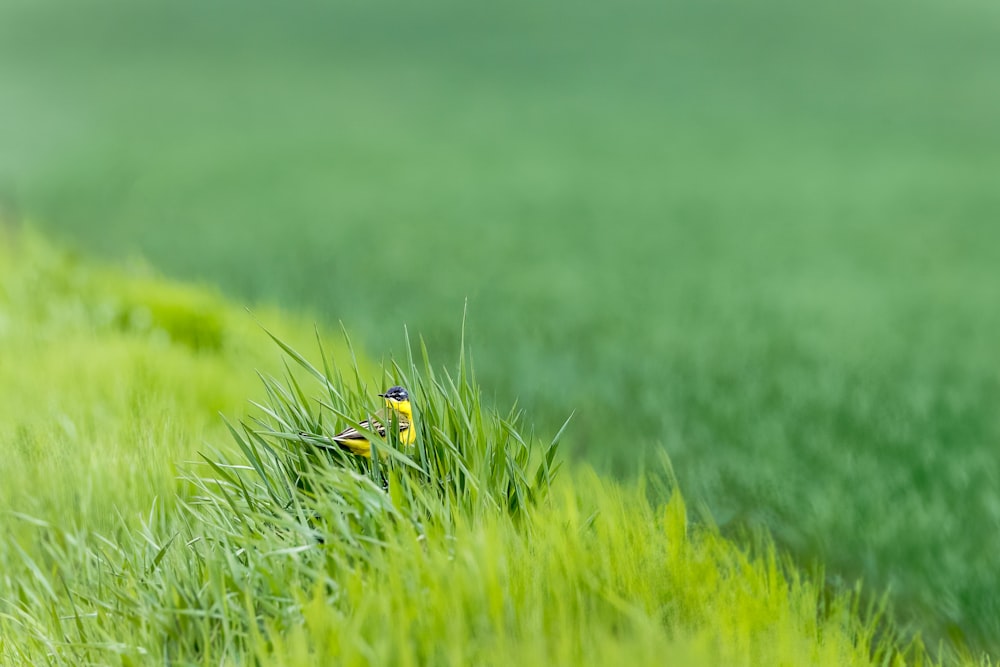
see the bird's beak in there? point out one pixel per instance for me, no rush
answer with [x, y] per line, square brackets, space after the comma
[382, 395]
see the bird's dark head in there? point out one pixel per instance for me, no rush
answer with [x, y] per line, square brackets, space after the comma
[396, 394]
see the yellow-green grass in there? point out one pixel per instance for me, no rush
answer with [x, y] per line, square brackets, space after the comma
[112, 380]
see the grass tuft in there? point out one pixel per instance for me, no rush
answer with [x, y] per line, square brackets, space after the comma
[467, 461]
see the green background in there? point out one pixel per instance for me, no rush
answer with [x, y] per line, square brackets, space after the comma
[763, 236]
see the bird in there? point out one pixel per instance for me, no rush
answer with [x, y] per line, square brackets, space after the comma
[397, 400]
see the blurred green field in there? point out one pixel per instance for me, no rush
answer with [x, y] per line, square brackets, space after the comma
[762, 235]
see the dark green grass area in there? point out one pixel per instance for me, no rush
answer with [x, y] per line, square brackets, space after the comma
[765, 236]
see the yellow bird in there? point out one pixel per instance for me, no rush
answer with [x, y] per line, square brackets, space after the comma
[397, 400]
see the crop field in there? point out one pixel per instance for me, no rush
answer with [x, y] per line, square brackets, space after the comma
[762, 237]
[137, 531]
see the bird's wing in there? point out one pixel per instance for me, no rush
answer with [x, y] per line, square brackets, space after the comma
[372, 426]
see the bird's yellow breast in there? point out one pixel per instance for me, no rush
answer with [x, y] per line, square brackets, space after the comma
[402, 407]
[405, 410]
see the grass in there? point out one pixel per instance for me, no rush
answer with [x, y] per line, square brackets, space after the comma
[758, 234]
[466, 548]
[111, 379]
